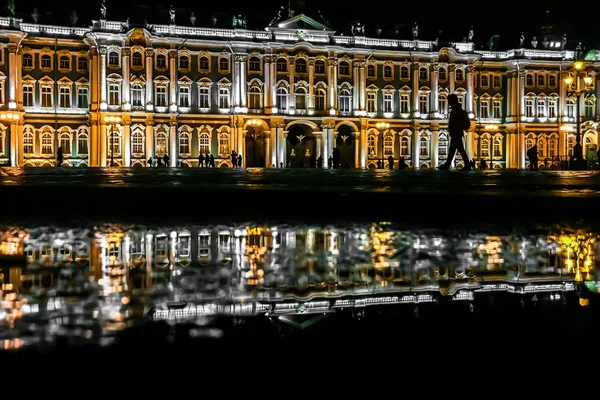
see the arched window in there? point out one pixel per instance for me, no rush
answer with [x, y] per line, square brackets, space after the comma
[485, 147]
[424, 144]
[320, 97]
[541, 148]
[319, 67]
[27, 60]
[254, 98]
[459, 75]
[300, 66]
[570, 146]
[371, 145]
[497, 149]
[387, 71]
[47, 144]
[65, 142]
[28, 147]
[161, 61]
[443, 146]
[184, 143]
[300, 98]
[405, 146]
[114, 144]
[224, 143]
[281, 99]
[345, 105]
[281, 65]
[82, 143]
[388, 146]
[254, 64]
[137, 143]
[137, 95]
[161, 144]
[204, 143]
[552, 142]
[136, 59]
[371, 71]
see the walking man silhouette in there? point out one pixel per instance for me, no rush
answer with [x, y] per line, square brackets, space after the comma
[458, 123]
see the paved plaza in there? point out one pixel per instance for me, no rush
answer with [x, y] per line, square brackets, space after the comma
[300, 193]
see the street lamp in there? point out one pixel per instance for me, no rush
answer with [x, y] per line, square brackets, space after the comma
[111, 121]
[9, 118]
[382, 126]
[578, 82]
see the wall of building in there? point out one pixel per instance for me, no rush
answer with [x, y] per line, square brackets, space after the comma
[111, 94]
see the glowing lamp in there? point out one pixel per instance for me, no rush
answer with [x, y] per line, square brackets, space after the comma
[578, 65]
[569, 80]
[588, 80]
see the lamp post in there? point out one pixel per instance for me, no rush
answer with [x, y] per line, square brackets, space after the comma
[9, 118]
[578, 81]
[111, 121]
[382, 126]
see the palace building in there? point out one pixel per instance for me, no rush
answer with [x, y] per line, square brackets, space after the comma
[118, 94]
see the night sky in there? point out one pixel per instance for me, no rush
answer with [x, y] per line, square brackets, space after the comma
[444, 20]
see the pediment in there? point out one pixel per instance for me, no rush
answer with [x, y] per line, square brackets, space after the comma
[301, 22]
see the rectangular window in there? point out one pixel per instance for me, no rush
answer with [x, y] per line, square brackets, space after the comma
[223, 98]
[497, 109]
[404, 103]
[82, 97]
[388, 103]
[484, 109]
[161, 96]
[114, 94]
[65, 97]
[371, 102]
[27, 96]
[46, 97]
[203, 98]
[184, 96]
[82, 145]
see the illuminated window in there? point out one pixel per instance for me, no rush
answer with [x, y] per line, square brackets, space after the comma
[82, 143]
[137, 96]
[497, 148]
[529, 108]
[224, 143]
[484, 109]
[46, 97]
[485, 147]
[345, 98]
[552, 107]
[65, 143]
[160, 98]
[114, 94]
[424, 103]
[320, 97]
[223, 98]
[371, 145]
[47, 144]
[300, 98]
[254, 98]
[443, 104]
[204, 97]
[65, 97]
[388, 102]
[497, 109]
[204, 143]
[137, 143]
[424, 145]
[82, 97]
[161, 144]
[319, 67]
[371, 102]
[184, 143]
[404, 103]
[28, 96]
[552, 147]
[388, 146]
[541, 108]
[281, 99]
[443, 146]
[570, 108]
[184, 96]
[404, 146]
[28, 147]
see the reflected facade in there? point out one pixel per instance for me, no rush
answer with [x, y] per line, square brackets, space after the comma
[84, 285]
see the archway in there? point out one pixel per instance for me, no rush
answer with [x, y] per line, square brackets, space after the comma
[345, 146]
[301, 147]
[255, 147]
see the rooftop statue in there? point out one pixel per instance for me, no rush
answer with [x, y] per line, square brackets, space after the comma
[415, 31]
[172, 14]
[357, 29]
[103, 9]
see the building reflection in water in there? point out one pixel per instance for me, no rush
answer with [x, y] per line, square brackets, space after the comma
[83, 285]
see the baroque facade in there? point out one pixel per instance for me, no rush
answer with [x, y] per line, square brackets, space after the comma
[118, 95]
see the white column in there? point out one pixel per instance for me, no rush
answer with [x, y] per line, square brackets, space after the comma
[416, 148]
[311, 88]
[173, 81]
[268, 99]
[469, 89]
[149, 141]
[521, 94]
[435, 148]
[451, 78]
[356, 90]
[126, 144]
[435, 72]
[125, 70]
[103, 138]
[93, 160]
[509, 100]
[15, 137]
[273, 87]
[14, 79]
[268, 155]
[363, 86]
[173, 144]
[356, 149]
[332, 83]
[243, 84]
[563, 99]
[319, 145]
[149, 80]
[363, 144]
[416, 107]
[103, 101]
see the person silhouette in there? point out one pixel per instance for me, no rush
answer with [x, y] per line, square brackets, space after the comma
[458, 123]
[532, 154]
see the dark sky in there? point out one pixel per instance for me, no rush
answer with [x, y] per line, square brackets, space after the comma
[508, 18]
